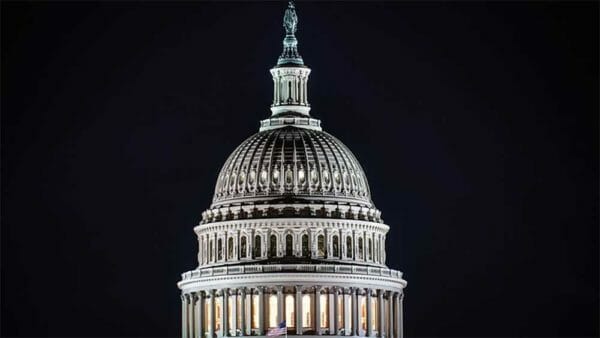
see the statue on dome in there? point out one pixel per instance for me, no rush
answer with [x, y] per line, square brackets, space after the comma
[290, 20]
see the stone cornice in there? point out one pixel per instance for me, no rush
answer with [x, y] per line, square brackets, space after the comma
[309, 223]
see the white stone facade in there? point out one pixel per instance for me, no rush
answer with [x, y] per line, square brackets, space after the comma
[292, 234]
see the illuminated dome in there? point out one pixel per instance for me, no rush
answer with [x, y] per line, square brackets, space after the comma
[292, 242]
[295, 165]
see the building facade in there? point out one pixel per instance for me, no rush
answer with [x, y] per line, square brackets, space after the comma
[292, 234]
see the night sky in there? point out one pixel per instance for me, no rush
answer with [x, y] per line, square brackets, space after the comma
[476, 124]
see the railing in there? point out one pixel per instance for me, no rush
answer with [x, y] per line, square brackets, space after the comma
[248, 269]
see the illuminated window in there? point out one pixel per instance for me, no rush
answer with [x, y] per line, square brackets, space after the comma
[363, 312]
[305, 251]
[349, 247]
[321, 246]
[360, 248]
[273, 311]
[218, 305]
[207, 319]
[255, 311]
[340, 306]
[257, 248]
[335, 245]
[289, 249]
[230, 317]
[219, 249]
[369, 247]
[230, 248]
[350, 311]
[239, 313]
[306, 312]
[324, 309]
[243, 247]
[273, 246]
[290, 310]
[210, 251]
[375, 313]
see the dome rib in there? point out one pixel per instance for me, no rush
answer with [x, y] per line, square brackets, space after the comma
[307, 165]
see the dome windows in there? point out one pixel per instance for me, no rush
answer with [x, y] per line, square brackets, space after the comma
[263, 176]
[275, 175]
[301, 177]
[325, 176]
[289, 177]
[257, 247]
[321, 246]
[314, 177]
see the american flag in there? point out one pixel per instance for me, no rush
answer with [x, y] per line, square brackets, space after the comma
[279, 330]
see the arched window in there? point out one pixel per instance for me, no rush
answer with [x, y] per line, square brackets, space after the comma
[349, 247]
[289, 249]
[273, 246]
[321, 246]
[336, 246]
[243, 246]
[305, 252]
[360, 248]
[257, 248]
[219, 249]
[230, 248]
[369, 249]
[210, 251]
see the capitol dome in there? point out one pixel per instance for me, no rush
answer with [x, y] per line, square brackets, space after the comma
[292, 242]
[292, 163]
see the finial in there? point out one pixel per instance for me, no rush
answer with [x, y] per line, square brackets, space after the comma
[290, 53]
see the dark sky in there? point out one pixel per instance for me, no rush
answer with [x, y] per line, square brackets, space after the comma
[476, 123]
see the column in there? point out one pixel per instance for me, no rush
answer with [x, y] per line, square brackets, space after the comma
[199, 314]
[211, 324]
[355, 330]
[346, 294]
[261, 311]
[191, 317]
[183, 316]
[381, 319]
[369, 313]
[299, 309]
[401, 315]
[234, 316]
[391, 315]
[280, 304]
[243, 311]
[305, 89]
[317, 308]
[224, 312]
[335, 312]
